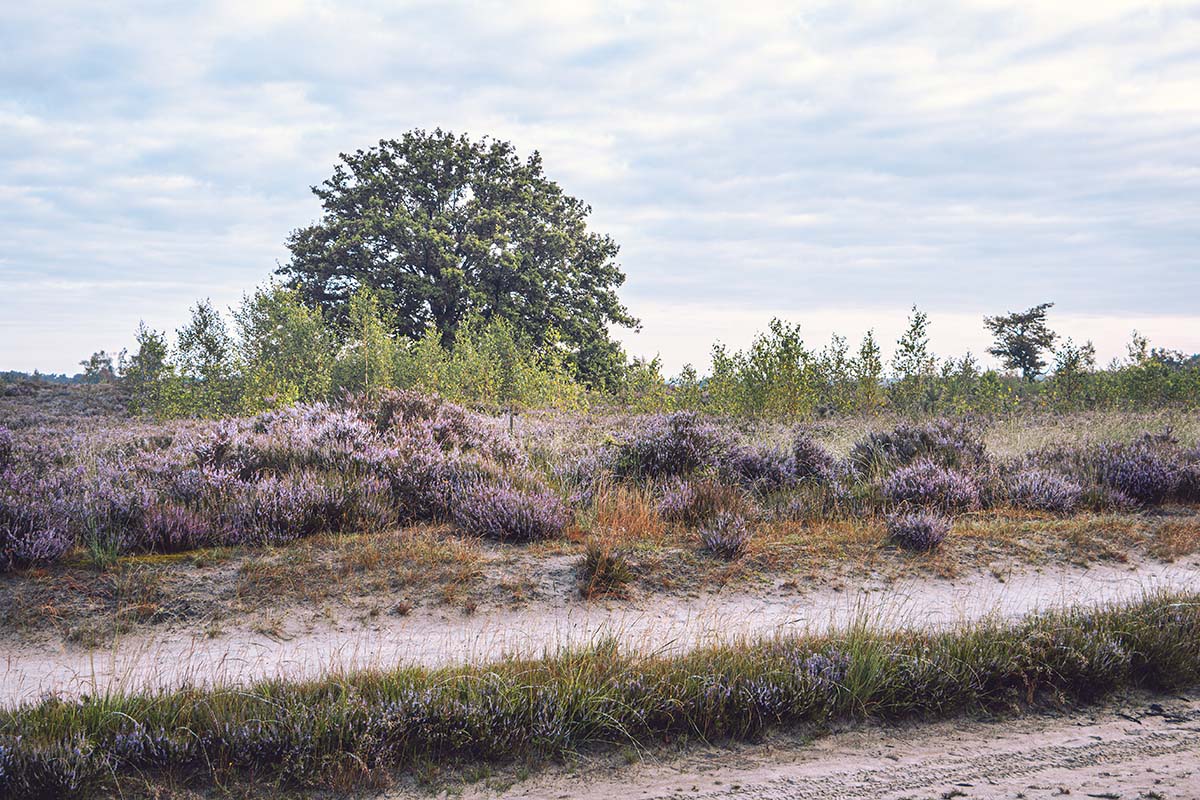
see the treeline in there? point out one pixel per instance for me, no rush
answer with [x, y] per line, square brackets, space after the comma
[279, 351]
[779, 376]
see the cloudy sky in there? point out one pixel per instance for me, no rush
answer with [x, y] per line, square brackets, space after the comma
[829, 162]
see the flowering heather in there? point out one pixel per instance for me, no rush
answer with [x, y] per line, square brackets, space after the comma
[809, 458]
[725, 536]
[1140, 471]
[6, 448]
[954, 444]
[920, 532]
[691, 502]
[925, 483]
[1042, 490]
[763, 469]
[508, 514]
[666, 445]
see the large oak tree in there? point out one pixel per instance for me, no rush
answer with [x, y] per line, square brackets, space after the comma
[443, 227]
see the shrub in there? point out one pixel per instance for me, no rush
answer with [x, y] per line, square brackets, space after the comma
[954, 444]
[1140, 471]
[924, 483]
[667, 445]
[603, 569]
[726, 536]
[919, 531]
[6, 448]
[762, 469]
[809, 458]
[691, 502]
[1041, 490]
[505, 513]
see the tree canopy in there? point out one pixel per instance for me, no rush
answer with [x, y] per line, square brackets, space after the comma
[1021, 338]
[442, 227]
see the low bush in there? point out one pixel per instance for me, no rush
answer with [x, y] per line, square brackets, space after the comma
[927, 484]
[919, 532]
[948, 443]
[668, 445]
[725, 536]
[508, 514]
[692, 502]
[1041, 490]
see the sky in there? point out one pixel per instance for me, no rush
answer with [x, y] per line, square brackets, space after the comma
[831, 163]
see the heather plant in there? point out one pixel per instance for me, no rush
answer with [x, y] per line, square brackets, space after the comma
[809, 458]
[925, 483]
[693, 501]
[950, 443]
[726, 535]
[6, 448]
[505, 513]
[763, 469]
[1041, 490]
[31, 529]
[918, 531]
[666, 445]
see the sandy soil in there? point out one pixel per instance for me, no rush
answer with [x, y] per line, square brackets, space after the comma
[1141, 747]
[301, 647]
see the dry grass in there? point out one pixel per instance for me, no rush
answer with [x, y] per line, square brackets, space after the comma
[1171, 539]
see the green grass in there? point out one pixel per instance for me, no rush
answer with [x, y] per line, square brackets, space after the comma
[350, 729]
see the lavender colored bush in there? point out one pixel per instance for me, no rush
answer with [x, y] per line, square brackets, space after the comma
[1140, 471]
[6, 448]
[1042, 490]
[691, 502]
[726, 536]
[927, 484]
[809, 458]
[508, 514]
[761, 469]
[949, 443]
[667, 445]
[920, 531]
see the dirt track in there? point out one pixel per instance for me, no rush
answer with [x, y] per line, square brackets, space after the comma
[1140, 748]
[433, 636]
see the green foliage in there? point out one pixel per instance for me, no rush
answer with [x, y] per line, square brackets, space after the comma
[914, 367]
[206, 363]
[443, 228]
[490, 365]
[367, 359]
[98, 368]
[285, 348]
[1021, 338]
[150, 377]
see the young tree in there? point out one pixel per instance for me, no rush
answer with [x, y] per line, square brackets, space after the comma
[367, 359]
[150, 376]
[98, 368]
[1021, 338]
[285, 349]
[206, 360]
[443, 227]
[913, 365]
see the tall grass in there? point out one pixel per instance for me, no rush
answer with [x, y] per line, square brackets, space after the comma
[353, 727]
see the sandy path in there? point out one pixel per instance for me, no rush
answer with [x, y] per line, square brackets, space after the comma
[1135, 749]
[437, 636]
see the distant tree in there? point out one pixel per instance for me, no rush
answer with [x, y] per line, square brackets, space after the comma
[443, 227]
[98, 368]
[206, 360]
[1021, 339]
[367, 358]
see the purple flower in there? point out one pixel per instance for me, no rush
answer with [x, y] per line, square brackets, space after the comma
[924, 483]
[920, 531]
